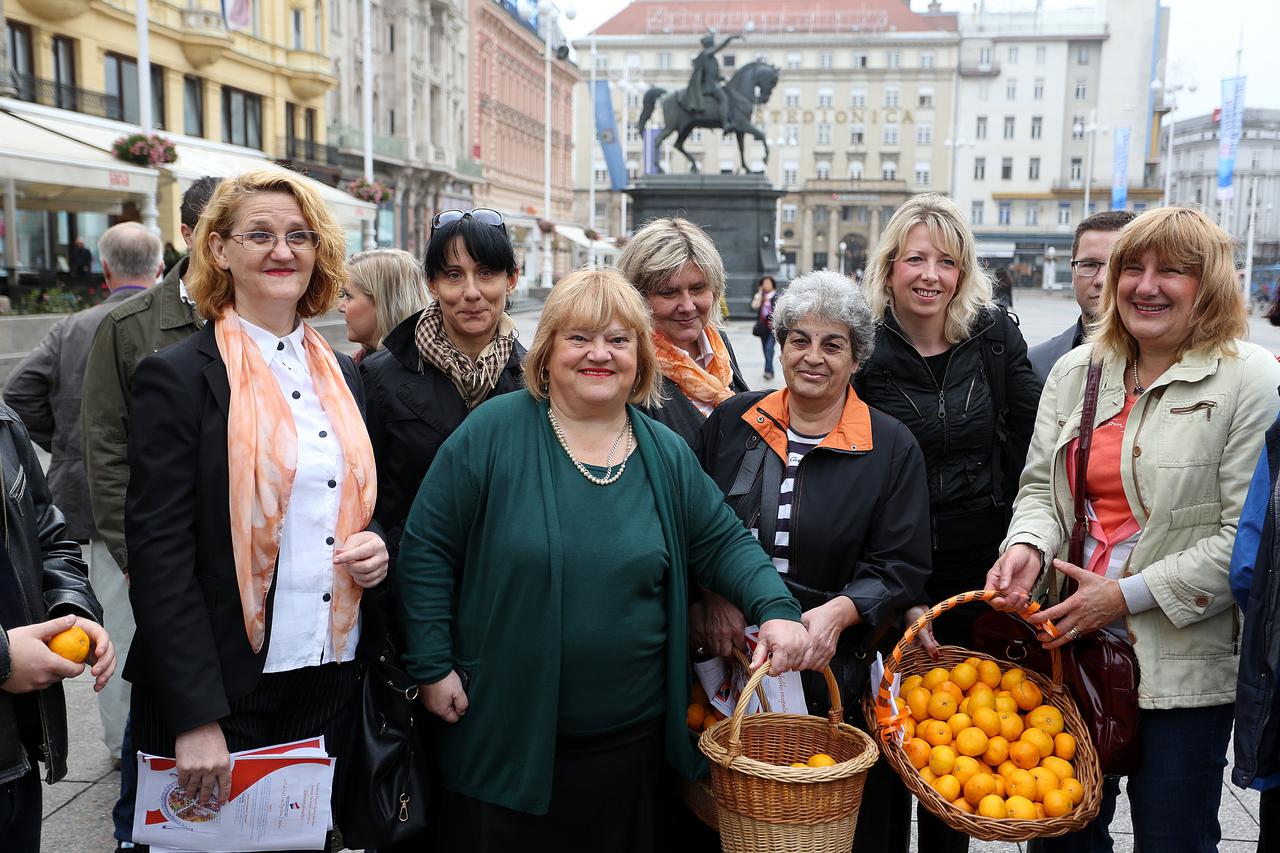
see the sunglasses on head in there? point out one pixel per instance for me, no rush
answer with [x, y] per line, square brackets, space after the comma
[486, 215]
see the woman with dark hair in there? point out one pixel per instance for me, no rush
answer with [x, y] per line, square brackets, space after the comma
[1002, 287]
[762, 304]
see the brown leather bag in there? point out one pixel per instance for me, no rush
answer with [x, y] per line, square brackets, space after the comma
[1099, 668]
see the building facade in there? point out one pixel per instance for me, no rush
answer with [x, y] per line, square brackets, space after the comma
[420, 50]
[858, 122]
[1045, 102]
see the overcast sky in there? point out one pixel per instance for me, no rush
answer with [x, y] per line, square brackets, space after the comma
[1204, 37]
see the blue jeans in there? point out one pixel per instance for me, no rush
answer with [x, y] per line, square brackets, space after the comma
[768, 343]
[1174, 796]
[122, 812]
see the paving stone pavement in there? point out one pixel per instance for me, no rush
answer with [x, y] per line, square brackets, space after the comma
[77, 811]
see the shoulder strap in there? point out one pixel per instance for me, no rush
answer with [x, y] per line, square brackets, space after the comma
[770, 489]
[1075, 554]
[759, 465]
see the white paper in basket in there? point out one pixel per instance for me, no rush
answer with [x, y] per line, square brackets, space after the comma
[877, 678]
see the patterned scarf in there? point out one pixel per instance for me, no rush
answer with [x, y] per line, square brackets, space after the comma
[263, 442]
[710, 386]
[475, 380]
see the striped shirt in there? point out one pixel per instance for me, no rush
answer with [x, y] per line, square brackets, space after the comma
[797, 446]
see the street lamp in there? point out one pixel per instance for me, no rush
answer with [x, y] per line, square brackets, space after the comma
[548, 14]
[844, 247]
[1171, 91]
[1093, 129]
[1050, 272]
[774, 145]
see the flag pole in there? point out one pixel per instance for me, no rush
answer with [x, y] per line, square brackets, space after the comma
[146, 121]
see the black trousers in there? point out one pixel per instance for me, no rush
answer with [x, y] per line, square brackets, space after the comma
[20, 812]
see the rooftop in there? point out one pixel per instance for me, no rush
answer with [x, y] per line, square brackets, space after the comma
[654, 17]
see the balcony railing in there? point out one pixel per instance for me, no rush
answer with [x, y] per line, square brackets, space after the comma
[353, 139]
[470, 168]
[309, 151]
[64, 96]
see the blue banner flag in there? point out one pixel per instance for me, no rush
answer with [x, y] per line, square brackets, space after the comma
[1229, 132]
[1120, 170]
[607, 133]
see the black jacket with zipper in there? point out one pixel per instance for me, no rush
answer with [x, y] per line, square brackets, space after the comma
[859, 516]
[54, 581]
[974, 447]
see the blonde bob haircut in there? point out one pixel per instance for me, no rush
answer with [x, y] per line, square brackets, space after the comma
[394, 280]
[949, 233]
[592, 300]
[213, 289]
[1188, 240]
[658, 250]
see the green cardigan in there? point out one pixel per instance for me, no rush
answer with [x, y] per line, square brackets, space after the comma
[479, 581]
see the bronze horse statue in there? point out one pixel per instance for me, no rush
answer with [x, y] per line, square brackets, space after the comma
[752, 84]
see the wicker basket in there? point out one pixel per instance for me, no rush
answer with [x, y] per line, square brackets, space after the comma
[765, 806]
[910, 660]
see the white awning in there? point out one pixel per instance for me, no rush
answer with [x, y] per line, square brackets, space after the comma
[996, 249]
[57, 171]
[577, 235]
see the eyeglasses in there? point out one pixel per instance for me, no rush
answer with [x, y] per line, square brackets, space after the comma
[1086, 269]
[265, 241]
[487, 215]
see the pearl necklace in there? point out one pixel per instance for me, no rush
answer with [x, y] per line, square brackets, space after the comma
[1138, 390]
[610, 476]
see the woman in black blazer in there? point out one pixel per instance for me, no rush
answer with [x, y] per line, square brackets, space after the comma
[250, 497]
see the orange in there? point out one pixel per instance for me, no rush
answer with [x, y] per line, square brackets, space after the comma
[798, 764]
[693, 716]
[1010, 726]
[927, 775]
[1006, 704]
[934, 677]
[941, 761]
[917, 752]
[1061, 769]
[1042, 741]
[947, 786]
[959, 722]
[973, 661]
[911, 682]
[971, 741]
[1020, 808]
[979, 787]
[72, 644]
[708, 721]
[965, 768]
[964, 675]
[993, 806]
[964, 705]
[1047, 719]
[821, 759]
[1006, 767]
[1012, 677]
[1046, 781]
[918, 701]
[936, 732]
[1064, 746]
[997, 751]
[1024, 755]
[1057, 803]
[1040, 815]
[1000, 786]
[989, 673]
[949, 686]
[1027, 695]
[1021, 784]
[1074, 789]
[987, 720]
[963, 805]
[942, 705]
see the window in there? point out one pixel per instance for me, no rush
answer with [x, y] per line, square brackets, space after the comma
[984, 56]
[825, 98]
[726, 167]
[122, 90]
[979, 168]
[1008, 127]
[317, 24]
[791, 133]
[633, 135]
[788, 213]
[695, 137]
[1139, 206]
[64, 73]
[730, 61]
[791, 174]
[890, 134]
[792, 98]
[924, 134]
[927, 59]
[1037, 89]
[391, 122]
[664, 60]
[1037, 126]
[297, 39]
[20, 59]
[857, 134]
[1013, 54]
[633, 169]
[824, 60]
[858, 98]
[924, 99]
[980, 131]
[1033, 169]
[824, 133]
[1064, 213]
[793, 60]
[856, 169]
[889, 171]
[600, 173]
[893, 59]
[923, 173]
[1077, 169]
[859, 59]
[1004, 212]
[975, 212]
[1040, 54]
[1077, 127]
[1082, 90]
[192, 106]
[823, 170]
[892, 96]
[1006, 169]
[1033, 214]
[602, 61]
[1011, 89]
[1082, 55]
[633, 100]
[241, 118]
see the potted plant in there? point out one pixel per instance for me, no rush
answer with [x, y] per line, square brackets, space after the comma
[143, 149]
[374, 192]
[546, 226]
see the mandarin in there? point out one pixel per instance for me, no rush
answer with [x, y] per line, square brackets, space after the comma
[72, 644]
[964, 675]
[963, 805]
[1046, 718]
[934, 677]
[1064, 746]
[821, 759]
[1042, 741]
[989, 673]
[1012, 677]
[971, 741]
[959, 722]
[1061, 769]
[993, 805]
[1046, 780]
[917, 751]
[1073, 788]
[947, 786]
[979, 787]
[693, 716]
[1020, 808]
[918, 702]
[936, 732]
[1027, 695]
[1024, 755]
[997, 751]
[1021, 783]
[950, 686]
[965, 768]
[942, 705]
[1010, 726]
[1057, 803]
[942, 759]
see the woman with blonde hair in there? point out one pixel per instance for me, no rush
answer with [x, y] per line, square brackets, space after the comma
[1183, 405]
[386, 286]
[561, 675]
[952, 367]
[250, 500]
[676, 268]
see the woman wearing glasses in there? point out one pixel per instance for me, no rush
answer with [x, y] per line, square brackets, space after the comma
[386, 286]
[440, 363]
[251, 494]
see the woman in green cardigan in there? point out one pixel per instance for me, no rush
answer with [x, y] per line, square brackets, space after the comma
[544, 577]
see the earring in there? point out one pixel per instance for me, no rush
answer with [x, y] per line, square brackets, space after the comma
[544, 380]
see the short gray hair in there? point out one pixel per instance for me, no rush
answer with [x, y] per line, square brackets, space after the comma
[829, 296]
[131, 250]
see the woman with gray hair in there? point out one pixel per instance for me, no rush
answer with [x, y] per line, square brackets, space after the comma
[835, 491]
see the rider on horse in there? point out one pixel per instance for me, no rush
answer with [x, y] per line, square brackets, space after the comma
[706, 81]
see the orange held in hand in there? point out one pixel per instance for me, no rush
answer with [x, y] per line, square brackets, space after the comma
[72, 644]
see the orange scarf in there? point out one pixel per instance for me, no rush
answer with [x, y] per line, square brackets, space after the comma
[262, 451]
[710, 386]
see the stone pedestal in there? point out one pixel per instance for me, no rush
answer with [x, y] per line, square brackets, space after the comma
[738, 211]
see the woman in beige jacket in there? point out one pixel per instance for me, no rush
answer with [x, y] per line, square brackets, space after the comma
[1183, 404]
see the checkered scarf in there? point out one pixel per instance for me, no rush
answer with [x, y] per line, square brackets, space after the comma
[475, 380]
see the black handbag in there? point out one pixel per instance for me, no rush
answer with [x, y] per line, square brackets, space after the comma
[387, 777]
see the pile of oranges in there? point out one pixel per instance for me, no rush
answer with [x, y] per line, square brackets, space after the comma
[985, 740]
[700, 716]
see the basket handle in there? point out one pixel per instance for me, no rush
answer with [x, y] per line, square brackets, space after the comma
[835, 715]
[889, 722]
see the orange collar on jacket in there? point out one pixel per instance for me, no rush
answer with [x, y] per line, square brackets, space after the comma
[769, 417]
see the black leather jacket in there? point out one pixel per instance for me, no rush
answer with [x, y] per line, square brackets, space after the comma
[54, 581]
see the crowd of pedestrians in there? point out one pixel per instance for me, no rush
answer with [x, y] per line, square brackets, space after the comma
[544, 538]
